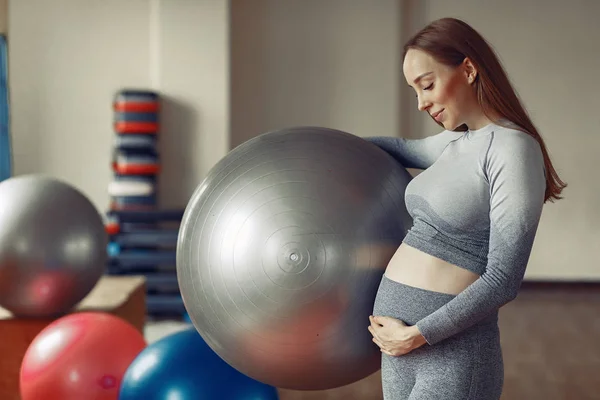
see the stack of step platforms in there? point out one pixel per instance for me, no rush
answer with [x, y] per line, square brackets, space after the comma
[144, 243]
[143, 237]
[135, 161]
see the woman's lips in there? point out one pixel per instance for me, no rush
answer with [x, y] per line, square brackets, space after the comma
[438, 115]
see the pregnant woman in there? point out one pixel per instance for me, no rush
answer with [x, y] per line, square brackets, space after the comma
[475, 207]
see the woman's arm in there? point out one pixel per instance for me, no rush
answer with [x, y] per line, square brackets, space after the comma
[415, 153]
[515, 171]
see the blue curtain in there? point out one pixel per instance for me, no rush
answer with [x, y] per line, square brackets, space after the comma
[5, 146]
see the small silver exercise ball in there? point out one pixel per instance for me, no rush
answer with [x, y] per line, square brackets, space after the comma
[281, 251]
[52, 246]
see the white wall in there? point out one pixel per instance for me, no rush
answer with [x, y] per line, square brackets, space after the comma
[3, 16]
[67, 59]
[551, 52]
[312, 62]
[336, 63]
[192, 74]
[295, 62]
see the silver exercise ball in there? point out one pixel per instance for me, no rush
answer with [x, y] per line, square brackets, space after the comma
[281, 250]
[52, 246]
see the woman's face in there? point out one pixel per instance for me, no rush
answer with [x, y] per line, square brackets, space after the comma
[443, 91]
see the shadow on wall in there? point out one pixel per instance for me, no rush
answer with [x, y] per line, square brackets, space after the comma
[177, 145]
[413, 19]
[299, 63]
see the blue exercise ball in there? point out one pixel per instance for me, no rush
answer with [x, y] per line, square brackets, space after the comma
[182, 366]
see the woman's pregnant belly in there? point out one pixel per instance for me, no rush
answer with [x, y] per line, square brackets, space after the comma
[415, 268]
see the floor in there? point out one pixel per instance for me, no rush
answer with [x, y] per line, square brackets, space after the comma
[550, 340]
[156, 330]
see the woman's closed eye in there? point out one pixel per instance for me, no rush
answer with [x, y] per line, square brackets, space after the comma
[428, 87]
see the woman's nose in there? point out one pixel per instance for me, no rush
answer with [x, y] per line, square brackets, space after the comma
[423, 104]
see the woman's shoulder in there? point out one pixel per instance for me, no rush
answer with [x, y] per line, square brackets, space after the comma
[512, 140]
[514, 152]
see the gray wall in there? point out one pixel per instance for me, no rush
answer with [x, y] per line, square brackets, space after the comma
[230, 70]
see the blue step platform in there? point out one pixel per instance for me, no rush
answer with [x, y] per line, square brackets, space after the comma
[146, 249]
[5, 142]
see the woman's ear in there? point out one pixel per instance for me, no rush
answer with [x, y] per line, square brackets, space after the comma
[469, 70]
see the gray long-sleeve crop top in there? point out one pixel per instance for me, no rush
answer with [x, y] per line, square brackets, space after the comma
[477, 205]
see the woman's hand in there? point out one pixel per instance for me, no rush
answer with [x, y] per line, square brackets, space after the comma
[393, 336]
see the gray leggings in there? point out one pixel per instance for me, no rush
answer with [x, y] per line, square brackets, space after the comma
[463, 367]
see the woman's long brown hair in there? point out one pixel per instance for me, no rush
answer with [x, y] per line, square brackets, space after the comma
[450, 41]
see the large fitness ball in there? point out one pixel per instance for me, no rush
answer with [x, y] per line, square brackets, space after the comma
[281, 250]
[181, 366]
[52, 246]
